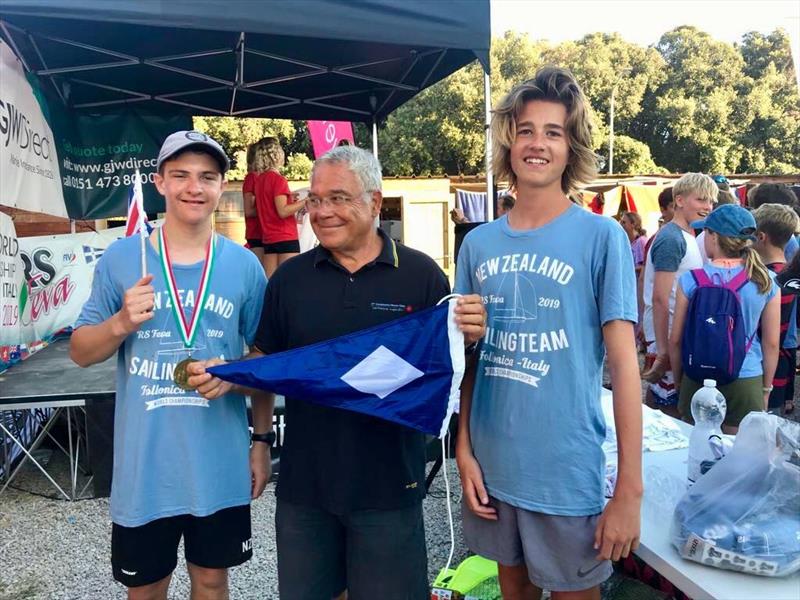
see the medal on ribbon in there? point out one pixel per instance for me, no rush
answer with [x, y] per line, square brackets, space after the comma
[187, 329]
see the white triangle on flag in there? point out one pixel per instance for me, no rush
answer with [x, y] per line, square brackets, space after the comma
[381, 373]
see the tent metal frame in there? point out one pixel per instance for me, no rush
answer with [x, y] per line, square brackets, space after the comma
[236, 84]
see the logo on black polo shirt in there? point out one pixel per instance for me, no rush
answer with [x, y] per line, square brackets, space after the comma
[392, 307]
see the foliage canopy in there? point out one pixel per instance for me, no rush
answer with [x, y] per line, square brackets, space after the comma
[688, 103]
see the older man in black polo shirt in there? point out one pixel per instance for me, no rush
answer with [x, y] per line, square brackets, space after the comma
[350, 489]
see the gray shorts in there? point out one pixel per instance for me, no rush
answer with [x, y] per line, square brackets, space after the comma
[558, 551]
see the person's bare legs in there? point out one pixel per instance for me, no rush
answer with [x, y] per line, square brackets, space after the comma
[270, 262]
[672, 411]
[515, 583]
[259, 252]
[152, 591]
[650, 402]
[282, 258]
[590, 594]
[208, 584]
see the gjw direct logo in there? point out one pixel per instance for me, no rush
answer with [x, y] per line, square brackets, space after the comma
[14, 125]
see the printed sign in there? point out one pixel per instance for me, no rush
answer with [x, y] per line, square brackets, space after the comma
[329, 134]
[29, 175]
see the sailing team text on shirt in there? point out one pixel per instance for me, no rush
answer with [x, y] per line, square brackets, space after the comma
[517, 302]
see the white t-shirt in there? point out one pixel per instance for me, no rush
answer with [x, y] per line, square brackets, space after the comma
[676, 251]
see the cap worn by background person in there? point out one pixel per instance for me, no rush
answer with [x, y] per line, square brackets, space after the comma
[729, 220]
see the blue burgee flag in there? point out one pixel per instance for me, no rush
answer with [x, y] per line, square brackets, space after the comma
[407, 371]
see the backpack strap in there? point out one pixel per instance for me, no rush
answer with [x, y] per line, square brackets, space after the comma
[750, 341]
[738, 281]
[701, 278]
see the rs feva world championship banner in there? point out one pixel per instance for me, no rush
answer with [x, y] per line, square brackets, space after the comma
[72, 163]
[45, 281]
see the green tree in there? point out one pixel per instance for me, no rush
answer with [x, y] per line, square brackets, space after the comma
[771, 141]
[235, 134]
[631, 156]
[298, 167]
[442, 129]
[692, 120]
[439, 131]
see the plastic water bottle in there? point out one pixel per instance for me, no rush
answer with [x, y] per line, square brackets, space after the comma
[708, 412]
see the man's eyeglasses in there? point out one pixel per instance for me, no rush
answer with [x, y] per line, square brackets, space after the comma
[336, 201]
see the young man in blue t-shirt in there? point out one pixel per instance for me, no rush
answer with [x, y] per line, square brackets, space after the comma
[558, 284]
[181, 464]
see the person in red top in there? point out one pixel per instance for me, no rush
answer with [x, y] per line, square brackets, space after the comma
[252, 228]
[276, 213]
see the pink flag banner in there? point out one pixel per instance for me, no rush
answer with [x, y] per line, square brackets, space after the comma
[329, 134]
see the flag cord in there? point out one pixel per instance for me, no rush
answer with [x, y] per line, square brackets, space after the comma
[447, 499]
[446, 298]
[444, 473]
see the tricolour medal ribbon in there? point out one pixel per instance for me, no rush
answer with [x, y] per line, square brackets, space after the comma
[187, 330]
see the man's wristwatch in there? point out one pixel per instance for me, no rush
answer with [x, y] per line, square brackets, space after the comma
[267, 438]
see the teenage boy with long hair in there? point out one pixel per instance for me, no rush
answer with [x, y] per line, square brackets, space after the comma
[560, 293]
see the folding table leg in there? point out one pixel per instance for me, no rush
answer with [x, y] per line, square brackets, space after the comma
[73, 470]
[29, 456]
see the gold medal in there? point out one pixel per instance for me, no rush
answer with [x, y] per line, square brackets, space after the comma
[181, 374]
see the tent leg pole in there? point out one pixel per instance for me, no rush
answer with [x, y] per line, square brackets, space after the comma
[487, 99]
[374, 137]
[72, 226]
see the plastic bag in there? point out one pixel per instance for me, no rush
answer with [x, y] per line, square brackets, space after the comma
[744, 514]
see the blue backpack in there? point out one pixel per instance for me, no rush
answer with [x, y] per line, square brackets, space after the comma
[714, 341]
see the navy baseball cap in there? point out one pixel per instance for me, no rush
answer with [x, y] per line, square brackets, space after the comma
[179, 140]
[729, 220]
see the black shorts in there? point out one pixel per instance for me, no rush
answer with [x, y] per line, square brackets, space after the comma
[255, 243]
[148, 553]
[286, 247]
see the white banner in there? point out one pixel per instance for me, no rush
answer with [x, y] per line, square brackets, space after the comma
[58, 272]
[11, 279]
[29, 174]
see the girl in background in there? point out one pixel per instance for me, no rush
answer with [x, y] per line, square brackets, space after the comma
[276, 213]
[632, 224]
[252, 228]
[728, 244]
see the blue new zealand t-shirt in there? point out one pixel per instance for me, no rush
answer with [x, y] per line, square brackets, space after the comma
[536, 423]
[175, 452]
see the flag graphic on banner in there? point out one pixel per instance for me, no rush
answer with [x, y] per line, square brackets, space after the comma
[92, 254]
[136, 214]
[407, 371]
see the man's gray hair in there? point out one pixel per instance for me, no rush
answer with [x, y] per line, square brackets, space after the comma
[361, 163]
